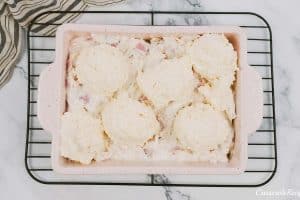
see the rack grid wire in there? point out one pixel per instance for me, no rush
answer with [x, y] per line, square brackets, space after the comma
[262, 151]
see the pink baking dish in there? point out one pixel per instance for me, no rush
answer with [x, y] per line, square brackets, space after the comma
[52, 97]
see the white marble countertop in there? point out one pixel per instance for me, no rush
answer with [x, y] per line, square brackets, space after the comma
[283, 17]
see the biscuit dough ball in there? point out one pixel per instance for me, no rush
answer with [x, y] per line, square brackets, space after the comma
[200, 128]
[102, 69]
[82, 136]
[213, 56]
[170, 80]
[220, 97]
[127, 121]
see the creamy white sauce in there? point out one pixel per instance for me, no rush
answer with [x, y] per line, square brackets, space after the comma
[143, 56]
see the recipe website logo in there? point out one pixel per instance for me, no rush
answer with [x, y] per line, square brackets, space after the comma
[283, 193]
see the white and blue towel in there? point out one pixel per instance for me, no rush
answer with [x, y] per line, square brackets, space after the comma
[15, 15]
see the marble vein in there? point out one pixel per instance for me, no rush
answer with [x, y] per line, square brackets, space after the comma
[194, 3]
[171, 193]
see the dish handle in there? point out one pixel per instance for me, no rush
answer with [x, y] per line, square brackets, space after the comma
[48, 98]
[252, 99]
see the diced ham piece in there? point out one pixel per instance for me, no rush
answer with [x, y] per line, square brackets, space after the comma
[141, 47]
[85, 99]
[113, 44]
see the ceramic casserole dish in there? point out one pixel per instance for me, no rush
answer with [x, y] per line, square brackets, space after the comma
[248, 100]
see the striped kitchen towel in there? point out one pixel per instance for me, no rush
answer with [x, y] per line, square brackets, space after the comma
[15, 15]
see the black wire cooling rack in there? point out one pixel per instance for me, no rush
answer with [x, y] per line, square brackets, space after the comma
[262, 153]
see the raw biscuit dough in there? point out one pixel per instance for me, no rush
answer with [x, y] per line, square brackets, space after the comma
[213, 56]
[200, 128]
[82, 136]
[171, 80]
[127, 121]
[102, 69]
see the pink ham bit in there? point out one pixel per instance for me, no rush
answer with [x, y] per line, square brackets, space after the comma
[141, 47]
[177, 148]
[202, 82]
[113, 44]
[85, 99]
[89, 38]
